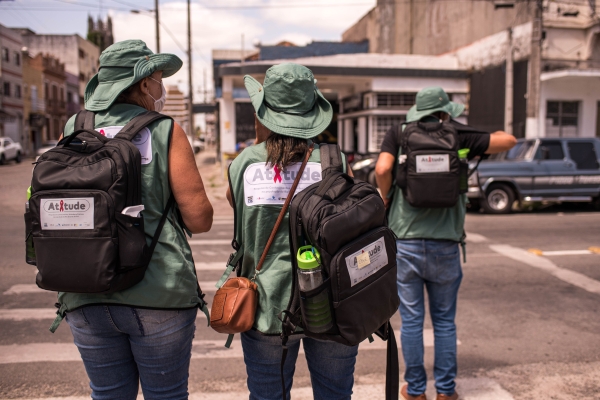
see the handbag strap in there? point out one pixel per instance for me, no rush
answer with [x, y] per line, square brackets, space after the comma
[286, 204]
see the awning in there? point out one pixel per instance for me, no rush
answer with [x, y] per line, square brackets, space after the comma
[5, 116]
[570, 73]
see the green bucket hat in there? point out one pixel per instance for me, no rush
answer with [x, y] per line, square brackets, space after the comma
[121, 65]
[431, 100]
[289, 102]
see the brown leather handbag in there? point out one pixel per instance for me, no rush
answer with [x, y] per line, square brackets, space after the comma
[234, 305]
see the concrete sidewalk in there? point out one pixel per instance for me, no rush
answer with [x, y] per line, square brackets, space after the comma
[215, 182]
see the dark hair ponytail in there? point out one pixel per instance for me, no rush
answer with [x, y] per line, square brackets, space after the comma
[285, 150]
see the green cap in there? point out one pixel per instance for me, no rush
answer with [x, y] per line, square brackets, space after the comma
[306, 258]
[122, 65]
[431, 100]
[288, 102]
[463, 153]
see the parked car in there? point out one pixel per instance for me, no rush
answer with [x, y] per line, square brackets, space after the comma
[363, 167]
[198, 145]
[48, 145]
[9, 150]
[561, 170]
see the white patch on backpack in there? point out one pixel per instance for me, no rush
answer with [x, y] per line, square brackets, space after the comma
[142, 140]
[266, 185]
[366, 261]
[67, 213]
[433, 163]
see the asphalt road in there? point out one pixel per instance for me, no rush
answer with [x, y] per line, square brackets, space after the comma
[528, 324]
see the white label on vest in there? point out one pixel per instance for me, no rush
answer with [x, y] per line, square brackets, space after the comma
[67, 213]
[142, 141]
[366, 261]
[264, 184]
[433, 163]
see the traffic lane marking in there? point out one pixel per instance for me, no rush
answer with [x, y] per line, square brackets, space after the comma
[574, 278]
[56, 352]
[207, 286]
[469, 389]
[591, 250]
[475, 238]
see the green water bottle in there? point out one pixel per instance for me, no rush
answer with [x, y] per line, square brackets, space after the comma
[29, 249]
[316, 309]
[463, 173]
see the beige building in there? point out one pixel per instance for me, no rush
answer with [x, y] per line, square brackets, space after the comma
[176, 107]
[11, 85]
[80, 56]
[434, 27]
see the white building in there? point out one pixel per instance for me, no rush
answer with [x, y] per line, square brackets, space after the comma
[369, 94]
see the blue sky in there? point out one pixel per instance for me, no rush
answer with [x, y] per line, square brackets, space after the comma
[215, 24]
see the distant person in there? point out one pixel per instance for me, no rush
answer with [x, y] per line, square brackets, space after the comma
[144, 333]
[290, 111]
[428, 237]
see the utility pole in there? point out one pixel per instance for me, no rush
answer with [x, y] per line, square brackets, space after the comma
[157, 23]
[535, 66]
[508, 91]
[189, 54]
[242, 58]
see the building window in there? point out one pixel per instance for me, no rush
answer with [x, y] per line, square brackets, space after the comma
[18, 91]
[5, 54]
[396, 99]
[380, 128]
[81, 53]
[562, 118]
[550, 150]
[7, 89]
[17, 58]
[584, 155]
[82, 77]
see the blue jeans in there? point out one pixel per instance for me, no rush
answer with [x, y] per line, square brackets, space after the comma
[331, 366]
[121, 346]
[434, 265]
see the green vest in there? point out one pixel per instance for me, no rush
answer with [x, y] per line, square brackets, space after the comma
[410, 222]
[170, 280]
[253, 225]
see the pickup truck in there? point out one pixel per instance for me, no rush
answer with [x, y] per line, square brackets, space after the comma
[548, 169]
[9, 150]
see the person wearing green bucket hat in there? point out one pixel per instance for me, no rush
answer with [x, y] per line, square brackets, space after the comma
[427, 246]
[144, 334]
[290, 110]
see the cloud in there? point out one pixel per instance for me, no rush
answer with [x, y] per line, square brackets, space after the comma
[299, 39]
[322, 16]
[223, 28]
[211, 29]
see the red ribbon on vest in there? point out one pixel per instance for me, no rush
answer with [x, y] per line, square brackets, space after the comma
[277, 174]
[62, 206]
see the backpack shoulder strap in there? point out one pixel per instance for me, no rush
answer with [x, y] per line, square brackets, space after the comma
[84, 120]
[138, 123]
[331, 158]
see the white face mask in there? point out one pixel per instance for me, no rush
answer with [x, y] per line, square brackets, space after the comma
[160, 103]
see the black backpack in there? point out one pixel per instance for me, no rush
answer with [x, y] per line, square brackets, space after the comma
[342, 218]
[429, 172]
[82, 241]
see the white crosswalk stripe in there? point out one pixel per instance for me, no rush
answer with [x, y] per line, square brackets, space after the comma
[48, 352]
[207, 286]
[469, 389]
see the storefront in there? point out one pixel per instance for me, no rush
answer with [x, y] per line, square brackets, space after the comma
[369, 94]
